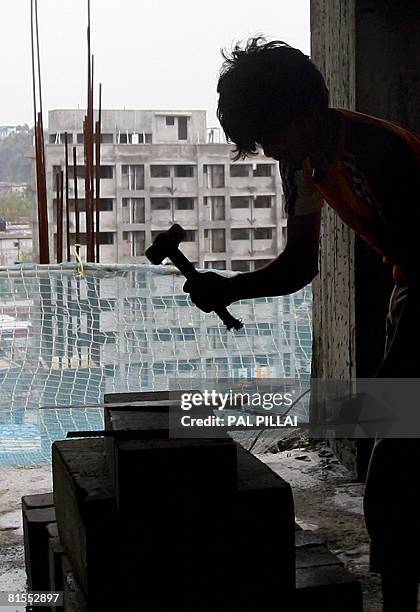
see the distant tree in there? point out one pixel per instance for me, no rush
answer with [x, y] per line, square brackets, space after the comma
[16, 155]
[16, 207]
[25, 256]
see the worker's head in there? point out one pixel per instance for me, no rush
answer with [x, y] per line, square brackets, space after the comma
[271, 96]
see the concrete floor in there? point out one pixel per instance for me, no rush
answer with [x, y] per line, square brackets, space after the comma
[326, 500]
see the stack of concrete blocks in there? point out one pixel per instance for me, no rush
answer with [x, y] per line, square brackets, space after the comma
[149, 523]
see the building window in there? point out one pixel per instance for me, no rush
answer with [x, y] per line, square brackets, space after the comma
[189, 236]
[263, 170]
[105, 205]
[218, 367]
[239, 201]
[184, 171]
[240, 170]
[132, 177]
[106, 138]
[239, 234]
[60, 138]
[287, 364]
[217, 337]
[129, 138]
[214, 175]
[135, 341]
[170, 120]
[160, 171]
[182, 128]
[160, 203]
[80, 171]
[107, 172]
[263, 233]
[241, 265]
[104, 238]
[217, 240]
[164, 334]
[215, 265]
[80, 138]
[133, 210]
[260, 263]
[263, 201]
[217, 207]
[138, 243]
[55, 170]
[183, 334]
[184, 203]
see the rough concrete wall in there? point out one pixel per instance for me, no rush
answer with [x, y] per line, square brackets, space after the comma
[333, 51]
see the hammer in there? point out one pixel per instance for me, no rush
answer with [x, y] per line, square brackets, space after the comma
[166, 245]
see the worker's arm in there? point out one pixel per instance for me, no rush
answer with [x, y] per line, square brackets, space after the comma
[292, 270]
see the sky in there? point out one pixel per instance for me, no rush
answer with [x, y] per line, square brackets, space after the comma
[149, 54]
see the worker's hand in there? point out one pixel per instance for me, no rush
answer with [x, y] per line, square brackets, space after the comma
[209, 291]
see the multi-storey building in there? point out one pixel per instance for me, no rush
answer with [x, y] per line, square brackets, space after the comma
[162, 167]
[15, 243]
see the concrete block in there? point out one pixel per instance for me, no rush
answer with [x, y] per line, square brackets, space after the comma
[55, 555]
[327, 588]
[180, 474]
[305, 537]
[74, 601]
[186, 468]
[87, 515]
[196, 554]
[315, 556]
[263, 529]
[35, 521]
[260, 494]
[52, 530]
[41, 500]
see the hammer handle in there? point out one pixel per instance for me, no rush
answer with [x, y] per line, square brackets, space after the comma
[183, 264]
[187, 269]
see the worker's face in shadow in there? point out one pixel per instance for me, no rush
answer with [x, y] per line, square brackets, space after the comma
[293, 143]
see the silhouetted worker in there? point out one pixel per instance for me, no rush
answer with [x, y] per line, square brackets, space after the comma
[272, 97]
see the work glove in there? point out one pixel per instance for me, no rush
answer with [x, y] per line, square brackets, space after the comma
[209, 291]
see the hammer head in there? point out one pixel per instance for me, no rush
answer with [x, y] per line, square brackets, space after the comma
[165, 243]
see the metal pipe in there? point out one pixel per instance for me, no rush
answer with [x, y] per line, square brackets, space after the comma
[87, 189]
[43, 237]
[59, 188]
[76, 203]
[98, 175]
[66, 157]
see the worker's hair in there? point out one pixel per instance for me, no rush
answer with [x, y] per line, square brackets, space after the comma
[263, 87]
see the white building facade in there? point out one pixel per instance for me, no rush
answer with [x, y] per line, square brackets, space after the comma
[164, 167]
